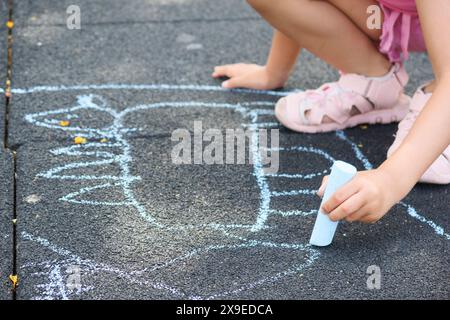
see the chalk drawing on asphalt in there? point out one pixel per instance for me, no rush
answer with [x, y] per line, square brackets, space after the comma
[106, 153]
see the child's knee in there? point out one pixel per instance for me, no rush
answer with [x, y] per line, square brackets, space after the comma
[260, 5]
[264, 5]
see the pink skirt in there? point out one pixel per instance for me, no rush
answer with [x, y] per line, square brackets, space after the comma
[401, 33]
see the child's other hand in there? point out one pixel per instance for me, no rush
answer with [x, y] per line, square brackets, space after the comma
[251, 76]
[366, 198]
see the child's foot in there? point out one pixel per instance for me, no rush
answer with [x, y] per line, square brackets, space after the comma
[353, 100]
[439, 171]
[251, 76]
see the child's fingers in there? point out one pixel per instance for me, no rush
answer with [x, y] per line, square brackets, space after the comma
[365, 215]
[220, 71]
[369, 218]
[350, 206]
[357, 215]
[233, 83]
[322, 187]
[340, 196]
[227, 70]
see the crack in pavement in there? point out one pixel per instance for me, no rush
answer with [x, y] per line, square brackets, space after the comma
[7, 149]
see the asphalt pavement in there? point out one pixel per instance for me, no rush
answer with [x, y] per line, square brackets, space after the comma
[115, 218]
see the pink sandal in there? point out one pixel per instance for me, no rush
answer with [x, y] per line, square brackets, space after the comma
[439, 171]
[353, 100]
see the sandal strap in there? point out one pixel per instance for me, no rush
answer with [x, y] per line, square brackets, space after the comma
[336, 100]
[446, 153]
[381, 90]
[332, 101]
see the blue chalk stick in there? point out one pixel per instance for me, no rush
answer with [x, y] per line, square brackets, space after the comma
[324, 228]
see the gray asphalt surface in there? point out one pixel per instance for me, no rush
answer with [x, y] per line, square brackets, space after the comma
[6, 177]
[6, 226]
[3, 57]
[162, 231]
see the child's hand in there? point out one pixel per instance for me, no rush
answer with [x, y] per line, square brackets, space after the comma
[366, 198]
[250, 76]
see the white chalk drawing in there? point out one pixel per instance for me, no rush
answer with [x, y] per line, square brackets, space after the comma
[159, 87]
[118, 152]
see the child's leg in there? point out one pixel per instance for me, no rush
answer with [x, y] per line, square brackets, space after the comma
[439, 171]
[430, 87]
[352, 8]
[332, 30]
[370, 91]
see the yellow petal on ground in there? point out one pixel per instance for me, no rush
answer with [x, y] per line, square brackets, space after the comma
[10, 24]
[64, 123]
[14, 221]
[80, 140]
[103, 140]
[14, 280]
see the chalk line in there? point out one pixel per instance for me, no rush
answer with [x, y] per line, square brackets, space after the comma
[118, 133]
[409, 209]
[298, 175]
[91, 266]
[125, 179]
[159, 87]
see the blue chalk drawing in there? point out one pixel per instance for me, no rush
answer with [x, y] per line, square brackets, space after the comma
[117, 152]
[159, 87]
[117, 133]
